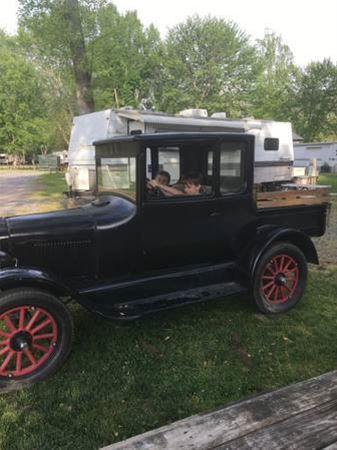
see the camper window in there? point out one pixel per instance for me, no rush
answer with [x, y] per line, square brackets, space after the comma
[271, 144]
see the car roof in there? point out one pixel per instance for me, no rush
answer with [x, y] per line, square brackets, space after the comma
[170, 136]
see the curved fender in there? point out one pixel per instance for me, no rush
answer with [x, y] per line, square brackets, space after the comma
[15, 277]
[6, 260]
[266, 236]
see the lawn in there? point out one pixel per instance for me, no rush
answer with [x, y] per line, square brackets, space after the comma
[48, 193]
[329, 179]
[124, 380]
[51, 185]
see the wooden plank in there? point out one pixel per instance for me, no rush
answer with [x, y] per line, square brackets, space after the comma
[213, 429]
[292, 197]
[293, 202]
[313, 429]
[331, 446]
[293, 193]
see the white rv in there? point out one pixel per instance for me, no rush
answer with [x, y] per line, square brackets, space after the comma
[274, 154]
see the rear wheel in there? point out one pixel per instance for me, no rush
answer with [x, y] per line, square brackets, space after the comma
[36, 333]
[280, 278]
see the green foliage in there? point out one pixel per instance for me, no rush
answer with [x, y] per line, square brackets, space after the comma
[51, 71]
[21, 105]
[54, 32]
[276, 81]
[328, 179]
[125, 59]
[208, 63]
[316, 102]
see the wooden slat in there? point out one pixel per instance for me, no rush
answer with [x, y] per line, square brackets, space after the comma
[294, 193]
[313, 429]
[221, 428]
[331, 446]
[292, 197]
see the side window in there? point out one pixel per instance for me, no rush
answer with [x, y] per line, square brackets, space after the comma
[231, 168]
[169, 160]
[184, 170]
[149, 175]
[210, 163]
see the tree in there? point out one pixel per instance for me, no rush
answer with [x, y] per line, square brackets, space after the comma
[125, 59]
[111, 56]
[54, 30]
[20, 100]
[316, 102]
[277, 80]
[29, 118]
[209, 63]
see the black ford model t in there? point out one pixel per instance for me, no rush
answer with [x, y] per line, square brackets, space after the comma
[149, 243]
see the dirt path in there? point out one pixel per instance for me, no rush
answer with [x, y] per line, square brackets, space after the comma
[17, 192]
[327, 245]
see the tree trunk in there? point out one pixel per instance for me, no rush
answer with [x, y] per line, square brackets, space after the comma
[82, 74]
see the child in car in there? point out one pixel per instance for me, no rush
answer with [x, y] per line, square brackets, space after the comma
[191, 185]
[162, 178]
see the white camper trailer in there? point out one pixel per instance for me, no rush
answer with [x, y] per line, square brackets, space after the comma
[274, 153]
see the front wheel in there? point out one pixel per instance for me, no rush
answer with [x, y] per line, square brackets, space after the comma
[280, 278]
[36, 333]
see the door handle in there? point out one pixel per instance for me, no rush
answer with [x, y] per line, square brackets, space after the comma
[215, 214]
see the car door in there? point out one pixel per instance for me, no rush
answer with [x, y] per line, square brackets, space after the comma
[180, 231]
[236, 211]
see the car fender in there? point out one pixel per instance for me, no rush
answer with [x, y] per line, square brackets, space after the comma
[267, 236]
[16, 277]
[6, 260]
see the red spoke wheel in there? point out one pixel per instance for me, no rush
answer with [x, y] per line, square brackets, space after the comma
[36, 333]
[280, 278]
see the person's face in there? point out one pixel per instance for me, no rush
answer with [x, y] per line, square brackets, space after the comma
[161, 179]
[192, 189]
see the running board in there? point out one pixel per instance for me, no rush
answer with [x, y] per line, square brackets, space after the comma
[138, 308]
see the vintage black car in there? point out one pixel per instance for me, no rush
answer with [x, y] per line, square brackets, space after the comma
[145, 245]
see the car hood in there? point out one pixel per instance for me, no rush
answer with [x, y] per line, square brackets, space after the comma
[70, 223]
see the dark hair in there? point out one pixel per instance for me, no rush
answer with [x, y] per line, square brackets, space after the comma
[192, 177]
[163, 173]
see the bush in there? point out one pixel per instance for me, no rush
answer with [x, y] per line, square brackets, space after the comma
[325, 168]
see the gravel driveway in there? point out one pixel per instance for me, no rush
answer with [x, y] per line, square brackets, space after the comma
[17, 191]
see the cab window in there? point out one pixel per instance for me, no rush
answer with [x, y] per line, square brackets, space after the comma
[231, 168]
[184, 170]
[168, 161]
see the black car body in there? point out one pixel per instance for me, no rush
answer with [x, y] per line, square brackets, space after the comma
[133, 250]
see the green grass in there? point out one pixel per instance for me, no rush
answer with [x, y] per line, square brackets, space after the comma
[124, 380]
[51, 185]
[329, 179]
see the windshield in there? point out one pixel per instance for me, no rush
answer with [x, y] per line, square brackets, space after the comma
[117, 175]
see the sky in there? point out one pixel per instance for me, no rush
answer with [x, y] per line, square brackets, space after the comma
[308, 27]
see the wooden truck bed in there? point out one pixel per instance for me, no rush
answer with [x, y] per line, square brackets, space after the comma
[302, 196]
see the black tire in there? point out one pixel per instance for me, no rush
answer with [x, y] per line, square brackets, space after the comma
[36, 307]
[280, 278]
